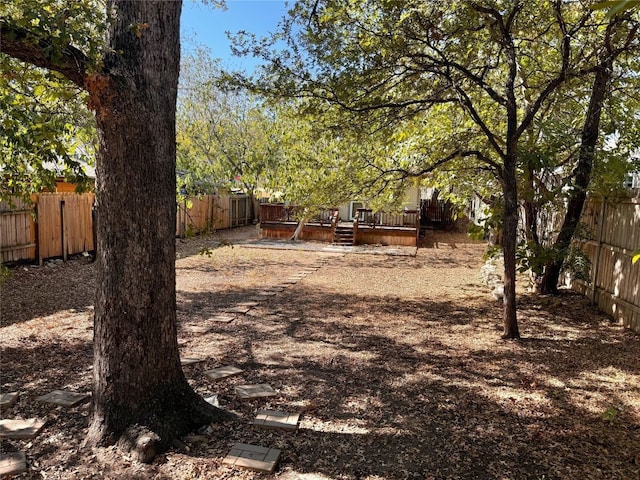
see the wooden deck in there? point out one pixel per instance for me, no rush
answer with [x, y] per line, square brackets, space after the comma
[278, 221]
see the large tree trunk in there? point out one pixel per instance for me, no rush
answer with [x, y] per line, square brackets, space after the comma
[582, 177]
[140, 396]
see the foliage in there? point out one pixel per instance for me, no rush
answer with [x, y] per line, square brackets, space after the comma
[225, 139]
[584, 232]
[616, 7]
[532, 256]
[45, 128]
[578, 264]
[229, 138]
[5, 273]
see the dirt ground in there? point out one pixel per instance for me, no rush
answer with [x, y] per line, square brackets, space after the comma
[394, 364]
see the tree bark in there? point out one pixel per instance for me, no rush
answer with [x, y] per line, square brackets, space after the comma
[509, 240]
[141, 396]
[299, 228]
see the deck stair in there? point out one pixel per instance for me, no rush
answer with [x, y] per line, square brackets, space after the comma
[343, 234]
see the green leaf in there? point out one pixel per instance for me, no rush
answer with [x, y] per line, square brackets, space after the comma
[615, 7]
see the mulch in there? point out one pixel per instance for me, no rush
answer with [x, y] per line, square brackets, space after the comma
[394, 364]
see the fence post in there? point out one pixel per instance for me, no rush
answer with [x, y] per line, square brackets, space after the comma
[63, 227]
[598, 251]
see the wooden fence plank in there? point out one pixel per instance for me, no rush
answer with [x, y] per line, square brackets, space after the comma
[616, 286]
[222, 212]
[16, 237]
[20, 237]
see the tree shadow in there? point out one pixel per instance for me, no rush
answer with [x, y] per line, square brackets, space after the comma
[387, 405]
[32, 291]
[392, 388]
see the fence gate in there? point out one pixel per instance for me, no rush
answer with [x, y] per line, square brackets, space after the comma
[65, 226]
[240, 210]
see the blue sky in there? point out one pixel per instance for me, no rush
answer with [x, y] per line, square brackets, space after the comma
[205, 25]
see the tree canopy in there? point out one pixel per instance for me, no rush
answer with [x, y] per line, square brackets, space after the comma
[225, 139]
[470, 78]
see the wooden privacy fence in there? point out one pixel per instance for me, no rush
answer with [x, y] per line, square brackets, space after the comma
[54, 225]
[212, 212]
[202, 214]
[615, 280]
[60, 224]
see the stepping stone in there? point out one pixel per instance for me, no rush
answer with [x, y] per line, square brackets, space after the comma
[257, 299]
[237, 309]
[213, 400]
[274, 289]
[12, 463]
[8, 399]
[277, 420]
[64, 398]
[266, 293]
[252, 457]
[20, 429]
[222, 318]
[191, 360]
[290, 281]
[253, 303]
[223, 372]
[196, 328]
[251, 392]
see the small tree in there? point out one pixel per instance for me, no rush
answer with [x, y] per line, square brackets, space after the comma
[489, 69]
[226, 139]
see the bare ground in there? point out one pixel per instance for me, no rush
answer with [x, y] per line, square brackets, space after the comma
[394, 363]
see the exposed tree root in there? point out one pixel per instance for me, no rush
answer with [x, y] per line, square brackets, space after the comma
[154, 427]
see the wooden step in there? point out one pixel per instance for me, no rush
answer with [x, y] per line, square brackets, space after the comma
[343, 236]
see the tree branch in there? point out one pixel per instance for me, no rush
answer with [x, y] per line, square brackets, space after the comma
[28, 47]
[563, 74]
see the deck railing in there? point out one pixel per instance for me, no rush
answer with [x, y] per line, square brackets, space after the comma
[279, 221]
[279, 212]
[407, 218]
